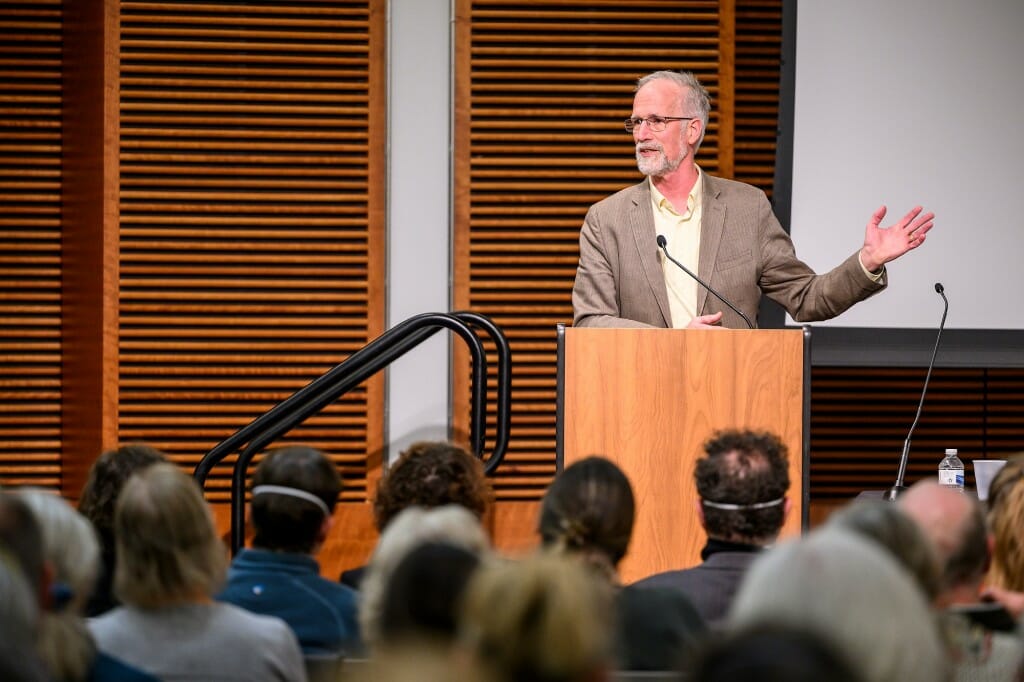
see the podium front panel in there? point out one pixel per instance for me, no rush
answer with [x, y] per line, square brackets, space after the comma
[648, 399]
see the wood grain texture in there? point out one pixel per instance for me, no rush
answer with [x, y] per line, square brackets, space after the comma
[647, 399]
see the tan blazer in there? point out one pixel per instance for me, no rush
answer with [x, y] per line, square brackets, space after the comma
[744, 253]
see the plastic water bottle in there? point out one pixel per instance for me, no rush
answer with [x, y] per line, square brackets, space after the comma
[951, 471]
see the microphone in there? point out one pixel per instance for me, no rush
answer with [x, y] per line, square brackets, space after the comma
[898, 487]
[663, 245]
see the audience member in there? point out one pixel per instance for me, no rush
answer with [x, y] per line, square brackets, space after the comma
[20, 555]
[21, 535]
[955, 524]
[587, 512]
[1005, 511]
[422, 597]
[451, 524]
[544, 619]
[108, 474]
[742, 482]
[770, 652]
[428, 474]
[982, 648]
[170, 563]
[71, 553]
[854, 594]
[295, 490]
[897, 533]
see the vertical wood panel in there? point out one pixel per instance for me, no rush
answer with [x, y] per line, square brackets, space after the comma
[90, 239]
[252, 219]
[30, 243]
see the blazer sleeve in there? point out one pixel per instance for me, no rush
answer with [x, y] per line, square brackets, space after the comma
[791, 283]
[595, 293]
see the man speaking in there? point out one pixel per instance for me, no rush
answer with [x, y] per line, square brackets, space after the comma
[721, 230]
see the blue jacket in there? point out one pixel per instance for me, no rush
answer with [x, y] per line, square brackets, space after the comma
[322, 613]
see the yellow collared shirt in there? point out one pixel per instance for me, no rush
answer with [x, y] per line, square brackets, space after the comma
[682, 232]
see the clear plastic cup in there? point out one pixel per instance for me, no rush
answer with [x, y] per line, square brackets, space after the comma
[984, 471]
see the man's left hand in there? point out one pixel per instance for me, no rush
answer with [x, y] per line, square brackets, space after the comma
[883, 244]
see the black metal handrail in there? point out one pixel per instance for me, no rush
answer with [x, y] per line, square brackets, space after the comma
[382, 351]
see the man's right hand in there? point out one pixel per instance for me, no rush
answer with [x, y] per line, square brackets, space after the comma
[706, 322]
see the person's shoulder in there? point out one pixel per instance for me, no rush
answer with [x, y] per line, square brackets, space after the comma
[245, 622]
[110, 621]
[624, 198]
[334, 591]
[670, 579]
[106, 668]
[725, 189]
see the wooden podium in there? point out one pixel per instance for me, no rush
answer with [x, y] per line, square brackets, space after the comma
[648, 399]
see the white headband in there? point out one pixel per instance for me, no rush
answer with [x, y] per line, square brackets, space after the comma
[742, 507]
[291, 492]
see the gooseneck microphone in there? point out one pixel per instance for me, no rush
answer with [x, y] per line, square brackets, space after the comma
[898, 487]
[663, 245]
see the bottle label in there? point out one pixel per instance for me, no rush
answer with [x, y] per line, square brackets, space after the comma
[951, 477]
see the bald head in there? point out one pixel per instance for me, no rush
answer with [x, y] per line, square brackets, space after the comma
[955, 524]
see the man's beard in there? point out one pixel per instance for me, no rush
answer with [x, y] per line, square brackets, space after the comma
[658, 166]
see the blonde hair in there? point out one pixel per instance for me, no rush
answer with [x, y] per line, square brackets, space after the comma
[452, 524]
[1005, 511]
[545, 618]
[167, 546]
[72, 550]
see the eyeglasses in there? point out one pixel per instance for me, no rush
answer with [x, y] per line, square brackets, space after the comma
[655, 123]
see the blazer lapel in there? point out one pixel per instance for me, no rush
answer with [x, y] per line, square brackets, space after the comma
[641, 221]
[712, 226]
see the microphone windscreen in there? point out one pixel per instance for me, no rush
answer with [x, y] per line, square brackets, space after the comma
[939, 288]
[661, 241]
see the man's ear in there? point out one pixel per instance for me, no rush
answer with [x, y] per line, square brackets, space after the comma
[787, 506]
[694, 128]
[325, 529]
[699, 508]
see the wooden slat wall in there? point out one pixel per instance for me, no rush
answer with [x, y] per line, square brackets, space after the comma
[30, 210]
[251, 201]
[541, 92]
[758, 50]
[860, 418]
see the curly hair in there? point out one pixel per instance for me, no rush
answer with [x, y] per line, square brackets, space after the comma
[589, 509]
[431, 474]
[743, 468]
[109, 473]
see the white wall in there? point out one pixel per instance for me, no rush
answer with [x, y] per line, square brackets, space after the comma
[419, 210]
[914, 102]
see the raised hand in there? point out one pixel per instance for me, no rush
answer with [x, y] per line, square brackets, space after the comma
[883, 244]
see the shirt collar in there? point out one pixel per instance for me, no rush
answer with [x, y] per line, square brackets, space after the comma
[693, 200]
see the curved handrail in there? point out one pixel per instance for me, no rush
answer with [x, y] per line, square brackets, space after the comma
[504, 406]
[351, 372]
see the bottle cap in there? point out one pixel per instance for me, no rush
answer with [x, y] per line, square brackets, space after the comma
[951, 451]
